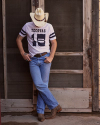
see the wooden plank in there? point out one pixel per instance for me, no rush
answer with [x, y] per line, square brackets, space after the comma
[16, 103]
[25, 105]
[87, 32]
[81, 89]
[73, 110]
[99, 104]
[32, 7]
[47, 110]
[68, 53]
[8, 109]
[4, 48]
[41, 4]
[70, 95]
[95, 53]
[99, 55]
[72, 98]
[66, 71]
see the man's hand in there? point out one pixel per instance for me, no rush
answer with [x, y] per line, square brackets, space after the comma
[53, 49]
[26, 56]
[48, 59]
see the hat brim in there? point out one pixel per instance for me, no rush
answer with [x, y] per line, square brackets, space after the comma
[39, 23]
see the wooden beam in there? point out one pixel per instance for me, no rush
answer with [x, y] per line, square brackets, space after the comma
[72, 110]
[87, 35]
[4, 48]
[68, 53]
[41, 4]
[66, 71]
[32, 7]
[95, 54]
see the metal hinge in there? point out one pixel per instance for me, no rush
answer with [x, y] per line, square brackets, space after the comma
[36, 3]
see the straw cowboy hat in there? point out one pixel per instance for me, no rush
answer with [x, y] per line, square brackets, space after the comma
[39, 17]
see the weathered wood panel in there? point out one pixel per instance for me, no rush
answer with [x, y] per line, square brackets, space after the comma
[67, 19]
[73, 110]
[31, 110]
[72, 98]
[66, 71]
[25, 105]
[68, 53]
[87, 37]
[41, 4]
[99, 54]
[95, 53]
[4, 49]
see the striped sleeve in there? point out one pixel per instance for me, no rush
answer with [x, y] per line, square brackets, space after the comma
[52, 35]
[23, 31]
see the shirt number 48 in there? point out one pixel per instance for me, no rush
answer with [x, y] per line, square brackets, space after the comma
[40, 40]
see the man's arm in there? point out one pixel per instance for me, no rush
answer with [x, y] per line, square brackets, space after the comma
[26, 56]
[52, 53]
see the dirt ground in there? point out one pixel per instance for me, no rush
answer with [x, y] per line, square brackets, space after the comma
[60, 119]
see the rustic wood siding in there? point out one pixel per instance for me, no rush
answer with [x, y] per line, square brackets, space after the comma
[1, 55]
[99, 54]
[95, 54]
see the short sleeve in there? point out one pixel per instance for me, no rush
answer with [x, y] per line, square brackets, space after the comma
[52, 35]
[23, 31]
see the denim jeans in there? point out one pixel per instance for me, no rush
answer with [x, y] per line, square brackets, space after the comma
[40, 71]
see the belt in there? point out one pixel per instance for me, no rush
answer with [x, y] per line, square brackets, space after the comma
[40, 54]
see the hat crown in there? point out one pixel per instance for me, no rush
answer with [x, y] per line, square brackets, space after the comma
[39, 14]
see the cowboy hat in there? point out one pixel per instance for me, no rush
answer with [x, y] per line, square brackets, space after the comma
[39, 17]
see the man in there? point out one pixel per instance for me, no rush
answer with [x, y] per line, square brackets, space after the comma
[39, 32]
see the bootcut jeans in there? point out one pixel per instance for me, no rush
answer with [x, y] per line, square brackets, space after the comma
[40, 71]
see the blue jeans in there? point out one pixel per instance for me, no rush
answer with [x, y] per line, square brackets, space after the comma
[40, 71]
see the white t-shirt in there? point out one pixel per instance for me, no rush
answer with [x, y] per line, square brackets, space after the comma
[38, 37]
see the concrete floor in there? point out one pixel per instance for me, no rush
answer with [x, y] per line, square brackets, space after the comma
[60, 119]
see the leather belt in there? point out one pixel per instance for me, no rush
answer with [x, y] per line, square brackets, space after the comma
[40, 54]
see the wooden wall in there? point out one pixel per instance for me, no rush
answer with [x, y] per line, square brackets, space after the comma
[99, 54]
[69, 32]
[1, 55]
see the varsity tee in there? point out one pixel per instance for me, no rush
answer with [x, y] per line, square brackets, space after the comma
[38, 37]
